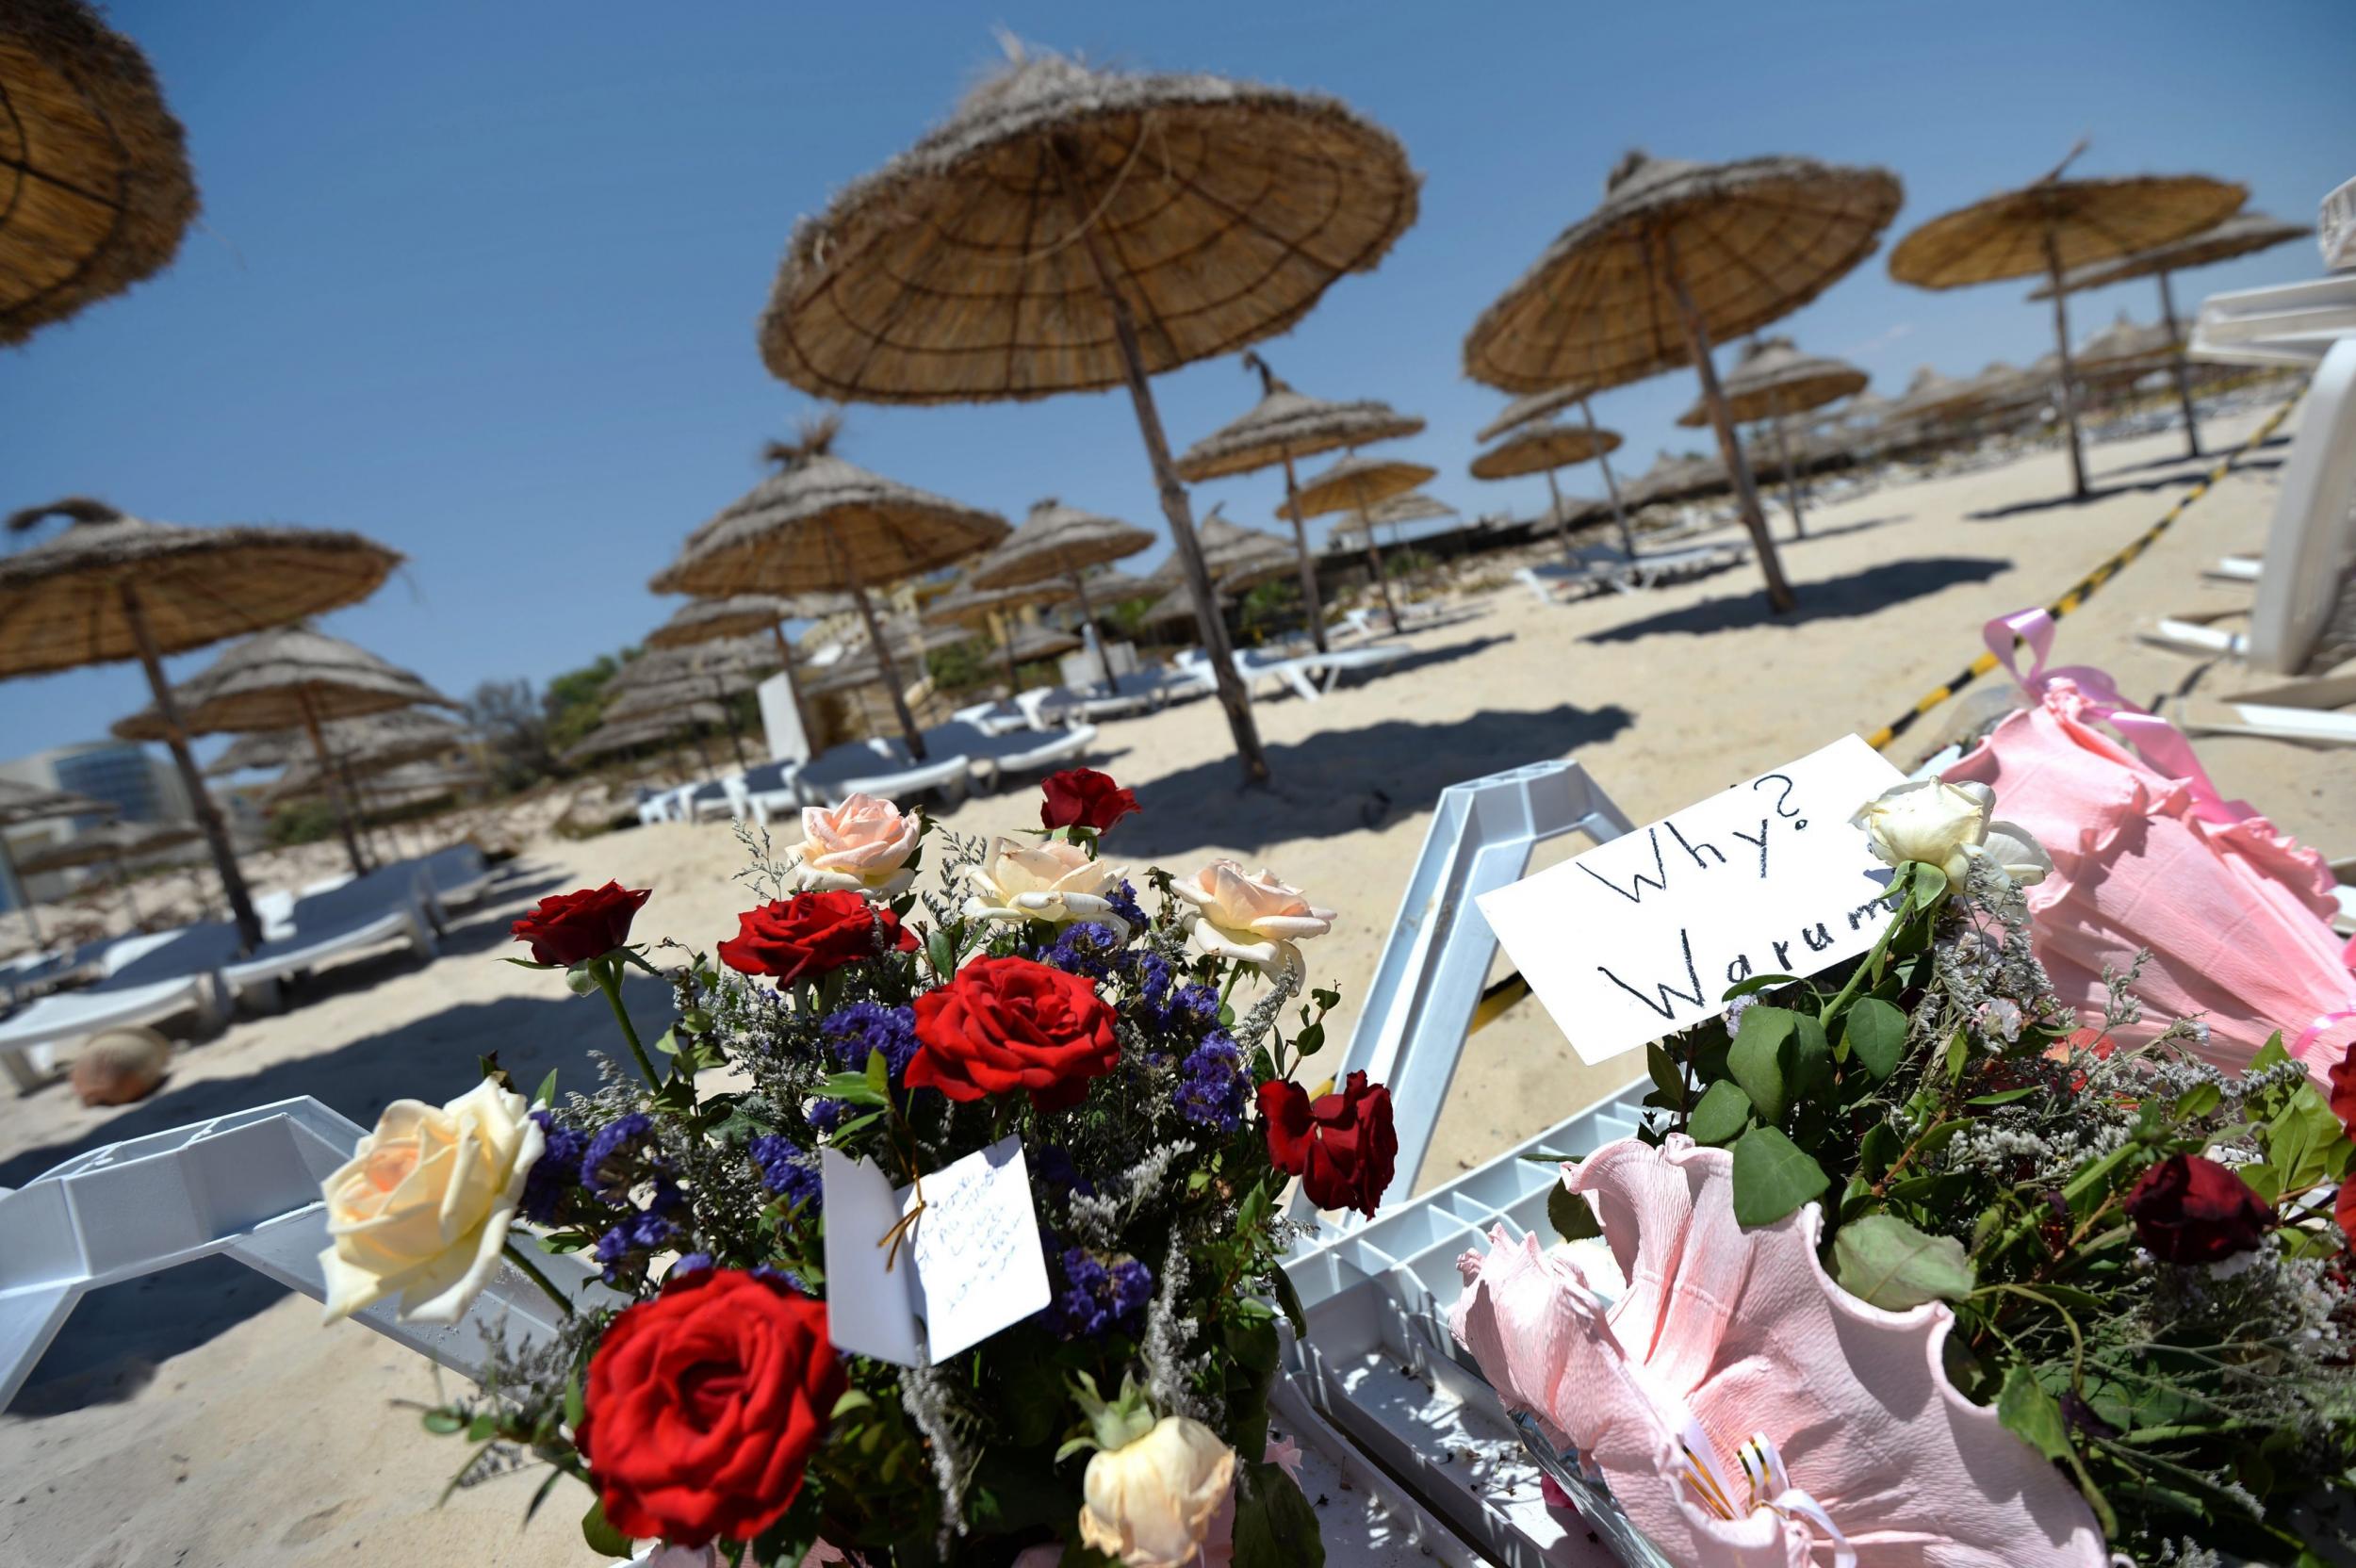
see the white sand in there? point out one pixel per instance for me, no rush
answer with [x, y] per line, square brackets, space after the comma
[202, 1417]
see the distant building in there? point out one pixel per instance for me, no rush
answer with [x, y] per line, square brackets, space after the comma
[141, 785]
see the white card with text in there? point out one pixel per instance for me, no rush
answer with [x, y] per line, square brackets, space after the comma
[1639, 937]
[968, 1266]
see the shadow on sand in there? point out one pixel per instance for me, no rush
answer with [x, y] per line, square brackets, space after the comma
[1814, 533]
[1834, 598]
[1342, 781]
[2104, 492]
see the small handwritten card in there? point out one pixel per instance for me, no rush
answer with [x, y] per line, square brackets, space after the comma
[1639, 937]
[968, 1266]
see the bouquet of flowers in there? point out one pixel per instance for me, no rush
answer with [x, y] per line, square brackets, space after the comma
[1911, 1268]
[1150, 1066]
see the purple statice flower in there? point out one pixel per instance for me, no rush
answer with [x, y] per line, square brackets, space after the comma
[1098, 1296]
[556, 1173]
[785, 1277]
[691, 1264]
[823, 1116]
[1085, 947]
[622, 1251]
[1165, 1009]
[1211, 1084]
[1125, 905]
[608, 1167]
[787, 1170]
[1054, 1167]
[863, 1027]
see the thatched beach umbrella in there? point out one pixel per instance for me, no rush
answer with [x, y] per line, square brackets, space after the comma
[1679, 255]
[118, 843]
[1056, 541]
[1543, 448]
[714, 671]
[1285, 426]
[2052, 225]
[631, 734]
[870, 663]
[1069, 229]
[94, 183]
[293, 675]
[1677, 478]
[2244, 233]
[1532, 406]
[1355, 484]
[2126, 347]
[1773, 381]
[407, 734]
[114, 586]
[1239, 557]
[983, 608]
[22, 803]
[821, 525]
[744, 614]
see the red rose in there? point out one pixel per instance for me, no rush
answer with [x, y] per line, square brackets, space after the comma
[2189, 1209]
[1342, 1146]
[572, 928]
[2343, 1092]
[1082, 797]
[705, 1403]
[810, 933]
[1008, 1023]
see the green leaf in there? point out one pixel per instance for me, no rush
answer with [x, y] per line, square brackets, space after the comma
[852, 1087]
[1930, 884]
[576, 1403]
[1311, 1039]
[1663, 1068]
[2198, 1101]
[1881, 1259]
[1275, 1527]
[880, 1076]
[2030, 1414]
[1811, 1057]
[603, 1537]
[581, 983]
[1289, 1298]
[2272, 1054]
[546, 1093]
[2006, 1096]
[1722, 1113]
[1760, 1057]
[443, 1423]
[1773, 1176]
[1876, 1035]
[1569, 1214]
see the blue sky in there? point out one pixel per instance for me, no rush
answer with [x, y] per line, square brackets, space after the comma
[480, 281]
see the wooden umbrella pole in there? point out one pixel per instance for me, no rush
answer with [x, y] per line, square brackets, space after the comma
[793, 685]
[1791, 479]
[1561, 528]
[728, 712]
[1175, 507]
[334, 793]
[1611, 486]
[849, 574]
[2069, 377]
[1005, 651]
[1374, 555]
[215, 832]
[366, 800]
[1096, 633]
[16, 881]
[130, 899]
[1310, 604]
[1779, 595]
[2176, 367]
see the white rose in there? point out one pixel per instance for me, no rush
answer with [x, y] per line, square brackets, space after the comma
[1949, 825]
[1253, 920]
[1053, 881]
[862, 845]
[1150, 1503]
[421, 1209]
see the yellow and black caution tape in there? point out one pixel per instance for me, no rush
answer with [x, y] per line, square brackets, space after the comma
[2084, 588]
[1502, 995]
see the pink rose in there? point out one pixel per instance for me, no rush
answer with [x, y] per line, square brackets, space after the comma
[1253, 920]
[862, 845]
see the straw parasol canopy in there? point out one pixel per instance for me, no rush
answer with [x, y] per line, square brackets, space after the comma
[715, 670]
[860, 667]
[1677, 478]
[821, 525]
[363, 748]
[1540, 449]
[109, 841]
[2048, 227]
[1060, 541]
[94, 185]
[630, 734]
[745, 615]
[982, 608]
[1678, 256]
[2244, 233]
[1041, 641]
[21, 802]
[1068, 229]
[1413, 507]
[1282, 428]
[1355, 483]
[1239, 557]
[114, 586]
[2127, 348]
[1773, 381]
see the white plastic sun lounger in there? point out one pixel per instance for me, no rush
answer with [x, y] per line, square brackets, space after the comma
[2237, 568]
[2198, 634]
[1327, 669]
[2312, 727]
[873, 767]
[147, 979]
[457, 876]
[1549, 581]
[771, 780]
[1050, 706]
[392, 903]
[995, 718]
[995, 757]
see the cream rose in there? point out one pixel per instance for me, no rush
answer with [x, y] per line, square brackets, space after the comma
[1949, 825]
[1150, 1503]
[421, 1208]
[862, 845]
[1053, 881]
[1253, 920]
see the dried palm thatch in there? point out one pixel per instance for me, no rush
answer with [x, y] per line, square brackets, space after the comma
[971, 606]
[1678, 477]
[1932, 395]
[1175, 605]
[2244, 233]
[1413, 507]
[1286, 425]
[360, 747]
[741, 615]
[2128, 346]
[109, 841]
[1359, 481]
[1122, 587]
[1750, 240]
[1531, 406]
[1540, 449]
[416, 784]
[64, 601]
[294, 675]
[1775, 380]
[1056, 541]
[821, 525]
[631, 734]
[964, 269]
[734, 662]
[94, 185]
[1249, 558]
[22, 802]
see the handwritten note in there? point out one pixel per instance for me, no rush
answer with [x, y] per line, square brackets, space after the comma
[969, 1264]
[1641, 936]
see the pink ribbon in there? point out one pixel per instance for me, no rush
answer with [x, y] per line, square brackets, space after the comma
[2308, 1036]
[2160, 744]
